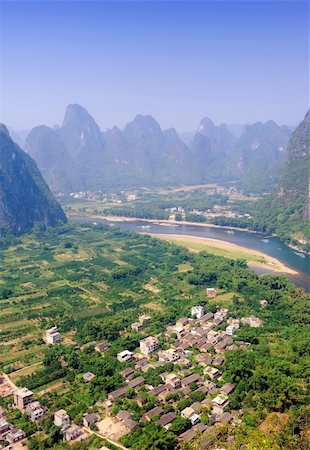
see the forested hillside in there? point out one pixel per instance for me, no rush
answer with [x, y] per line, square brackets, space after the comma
[287, 211]
[25, 199]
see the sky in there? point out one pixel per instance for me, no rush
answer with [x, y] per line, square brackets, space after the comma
[235, 62]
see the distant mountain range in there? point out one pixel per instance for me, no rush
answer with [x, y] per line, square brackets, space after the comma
[25, 199]
[79, 156]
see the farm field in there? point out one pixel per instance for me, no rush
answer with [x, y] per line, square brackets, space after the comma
[93, 282]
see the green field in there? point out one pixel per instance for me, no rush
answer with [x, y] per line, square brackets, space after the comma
[94, 281]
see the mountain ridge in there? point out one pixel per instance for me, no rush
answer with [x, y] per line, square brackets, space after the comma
[25, 198]
[142, 154]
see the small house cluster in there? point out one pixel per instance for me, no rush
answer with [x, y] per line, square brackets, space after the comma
[70, 430]
[197, 372]
[24, 401]
[10, 433]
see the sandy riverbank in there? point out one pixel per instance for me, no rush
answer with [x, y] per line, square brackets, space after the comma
[254, 257]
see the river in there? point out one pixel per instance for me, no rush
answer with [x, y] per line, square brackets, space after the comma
[272, 246]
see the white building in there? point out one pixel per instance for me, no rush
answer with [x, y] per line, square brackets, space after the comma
[149, 345]
[61, 418]
[189, 413]
[52, 336]
[197, 311]
[34, 411]
[169, 355]
[230, 330]
[125, 356]
[72, 432]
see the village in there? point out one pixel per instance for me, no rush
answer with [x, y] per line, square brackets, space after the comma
[189, 357]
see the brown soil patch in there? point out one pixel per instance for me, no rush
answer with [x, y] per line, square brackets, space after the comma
[149, 287]
[274, 422]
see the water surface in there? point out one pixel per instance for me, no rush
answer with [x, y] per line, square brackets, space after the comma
[271, 246]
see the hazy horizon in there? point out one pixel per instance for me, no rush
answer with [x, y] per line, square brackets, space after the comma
[234, 62]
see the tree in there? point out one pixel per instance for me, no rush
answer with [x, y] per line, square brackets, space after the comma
[180, 425]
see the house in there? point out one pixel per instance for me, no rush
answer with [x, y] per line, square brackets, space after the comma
[126, 373]
[88, 419]
[141, 400]
[212, 372]
[211, 293]
[123, 415]
[141, 363]
[61, 418]
[225, 417]
[166, 420]
[201, 342]
[118, 393]
[220, 346]
[197, 311]
[88, 376]
[136, 383]
[206, 403]
[144, 319]
[102, 347]
[221, 400]
[189, 413]
[14, 435]
[130, 424]
[149, 345]
[192, 432]
[194, 378]
[227, 388]
[35, 411]
[125, 356]
[183, 362]
[72, 432]
[196, 407]
[218, 360]
[169, 355]
[137, 326]
[204, 358]
[230, 330]
[206, 317]
[52, 336]
[4, 426]
[173, 380]
[165, 395]
[186, 390]
[22, 397]
[205, 347]
[182, 322]
[252, 321]
[234, 322]
[157, 411]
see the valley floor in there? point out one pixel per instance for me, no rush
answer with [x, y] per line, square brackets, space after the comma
[228, 249]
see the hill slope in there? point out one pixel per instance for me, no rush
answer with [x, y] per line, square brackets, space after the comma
[25, 199]
[287, 211]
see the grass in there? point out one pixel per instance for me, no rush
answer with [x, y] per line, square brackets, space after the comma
[28, 370]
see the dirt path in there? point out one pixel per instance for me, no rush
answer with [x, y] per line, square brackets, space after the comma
[103, 437]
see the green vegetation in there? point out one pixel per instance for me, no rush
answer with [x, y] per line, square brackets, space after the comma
[91, 280]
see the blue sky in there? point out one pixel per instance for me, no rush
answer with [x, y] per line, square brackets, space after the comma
[234, 62]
